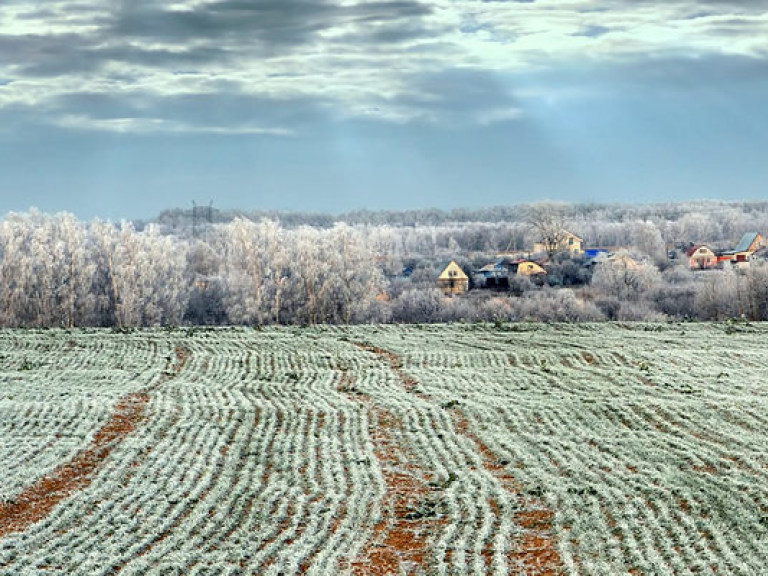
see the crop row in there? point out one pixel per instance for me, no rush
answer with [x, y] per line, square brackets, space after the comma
[372, 450]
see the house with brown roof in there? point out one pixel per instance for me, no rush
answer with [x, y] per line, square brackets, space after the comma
[701, 257]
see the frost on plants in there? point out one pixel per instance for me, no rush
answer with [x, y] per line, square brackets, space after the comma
[424, 450]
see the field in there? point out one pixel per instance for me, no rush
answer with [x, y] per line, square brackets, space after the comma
[436, 450]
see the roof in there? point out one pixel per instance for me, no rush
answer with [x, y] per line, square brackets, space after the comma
[530, 264]
[692, 250]
[453, 267]
[492, 267]
[501, 264]
[746, 241]
[565, 235]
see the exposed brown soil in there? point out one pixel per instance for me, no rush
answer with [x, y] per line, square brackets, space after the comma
[394, 362]
[37, 501]
[400, 539]
[535, 550]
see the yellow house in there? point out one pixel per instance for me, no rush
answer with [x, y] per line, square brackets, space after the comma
[453, 280]
[528, 268]
[564, 242]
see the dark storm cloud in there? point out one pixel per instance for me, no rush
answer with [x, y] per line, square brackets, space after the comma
[296, 62]
[388, 33]
[274, 23]
[457, 97]
[30, 48]
[62, 54]
[212, 33]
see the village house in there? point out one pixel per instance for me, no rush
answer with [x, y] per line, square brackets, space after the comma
[701, 257]
[529, 268]
[565, 242]
[621, 258]
[750, 243]
[453, 280]
[497, 273]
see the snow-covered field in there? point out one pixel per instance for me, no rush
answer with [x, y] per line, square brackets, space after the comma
[437, 450]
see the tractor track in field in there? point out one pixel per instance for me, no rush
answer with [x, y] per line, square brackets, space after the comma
[535, 549]
[35, 502]
[400, 538]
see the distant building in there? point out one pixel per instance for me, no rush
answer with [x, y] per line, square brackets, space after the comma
[453, 280]
[494, 275]
[566, 242]
[621, 258]
[594, 252]
[529, 268]
[497, 274]
[701, 257]
[750, 243]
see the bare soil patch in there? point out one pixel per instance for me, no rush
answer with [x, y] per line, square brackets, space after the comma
[37, 500]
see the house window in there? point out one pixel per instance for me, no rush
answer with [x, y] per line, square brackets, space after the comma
[570, 241]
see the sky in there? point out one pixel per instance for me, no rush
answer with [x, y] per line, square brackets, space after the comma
[122, 108]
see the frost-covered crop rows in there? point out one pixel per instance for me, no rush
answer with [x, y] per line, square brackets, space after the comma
[446, 450]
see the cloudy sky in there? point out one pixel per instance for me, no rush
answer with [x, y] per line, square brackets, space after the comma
[120, 108]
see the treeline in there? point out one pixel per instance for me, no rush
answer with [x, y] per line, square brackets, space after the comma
[58, 271]
[696, 221]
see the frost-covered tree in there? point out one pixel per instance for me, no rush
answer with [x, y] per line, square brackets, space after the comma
[312, 264]
[46, 271]
[717, 295]
[417, 304]
[249, 250]
[548, 222]
[757, 291]
[144, 275]
[646, 238]
[625, 279]
[356, 276]
[16, 269]
[73, 272]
